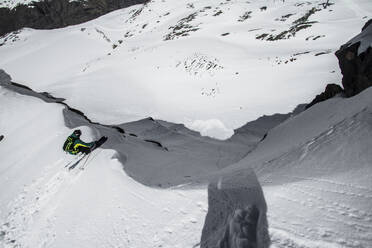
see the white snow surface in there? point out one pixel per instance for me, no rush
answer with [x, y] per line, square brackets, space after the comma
[120, 68]
[42, 204]
[315, 167]
[315, 170]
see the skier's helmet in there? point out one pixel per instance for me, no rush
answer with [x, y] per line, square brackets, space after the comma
[77, 132]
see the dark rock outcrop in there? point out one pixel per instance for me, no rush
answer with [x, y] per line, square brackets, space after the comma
[331, 90]
[5, 79]
[367, 24]
[48, 14]
[236, 216]
[355, 60]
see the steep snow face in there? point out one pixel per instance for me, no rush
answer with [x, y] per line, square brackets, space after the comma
[185, 154]
[184, 62]
[42, 204]
[158, 155]
[316, 173]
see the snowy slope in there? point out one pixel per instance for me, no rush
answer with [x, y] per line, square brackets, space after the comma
[316, 173]
[184, 61]
[43, 204]
[316, 176]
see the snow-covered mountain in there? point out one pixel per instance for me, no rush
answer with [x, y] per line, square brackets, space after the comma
[209, 66]
[185, 61]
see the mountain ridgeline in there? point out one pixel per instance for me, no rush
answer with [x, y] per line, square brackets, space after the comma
[49, 14]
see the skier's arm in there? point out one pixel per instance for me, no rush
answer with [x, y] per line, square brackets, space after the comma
[82, 143]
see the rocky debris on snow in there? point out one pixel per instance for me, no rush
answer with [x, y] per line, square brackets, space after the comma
[11, 37]
[219, 12]
[182, 28]
[103, 35]
[48, 14]
[326, 4]
[211, 92]
[292, 58]
[1, 137]
[313, 37]
[284, 18]
[236, 215]
[323, 53]
[355, 60]
[135, 14]
[245, 16]
[297, 25]
[198, 64]
[331, 90]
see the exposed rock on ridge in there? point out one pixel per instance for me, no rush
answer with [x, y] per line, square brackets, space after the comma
[355, 60]
[331, 90]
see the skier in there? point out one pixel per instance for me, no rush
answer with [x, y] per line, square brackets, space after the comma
[74, 144]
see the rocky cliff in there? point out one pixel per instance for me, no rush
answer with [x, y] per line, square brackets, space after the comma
[355, 60]
[48, 14]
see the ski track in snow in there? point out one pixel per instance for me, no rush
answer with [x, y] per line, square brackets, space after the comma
[26, 211]
[31, 218]
[329, 204]
[335, 203]
[329, 210]
[304, 212]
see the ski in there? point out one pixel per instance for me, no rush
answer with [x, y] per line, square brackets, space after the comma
[85, 163]
[74, 160]
[77, 162]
